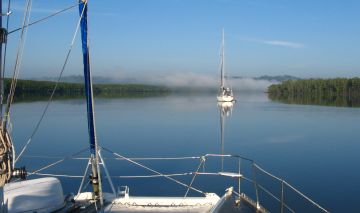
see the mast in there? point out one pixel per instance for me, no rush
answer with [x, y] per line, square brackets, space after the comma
[222, 54]
[94, 154]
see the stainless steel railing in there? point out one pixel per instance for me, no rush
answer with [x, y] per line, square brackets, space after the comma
[252, 177]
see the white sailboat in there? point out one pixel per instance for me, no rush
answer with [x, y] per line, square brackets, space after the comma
[46, 194]
[225, 93]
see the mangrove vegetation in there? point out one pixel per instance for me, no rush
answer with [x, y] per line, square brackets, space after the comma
[29, 89]
[329, 92]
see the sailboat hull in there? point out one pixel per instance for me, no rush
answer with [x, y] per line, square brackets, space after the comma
[224, 98]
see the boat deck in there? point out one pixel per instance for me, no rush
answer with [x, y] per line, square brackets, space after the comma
[232, 205]
[242, 205]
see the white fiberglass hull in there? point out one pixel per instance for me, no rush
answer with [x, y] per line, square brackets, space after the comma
[225, 98]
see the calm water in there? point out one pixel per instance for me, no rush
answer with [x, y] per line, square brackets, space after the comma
[314, 148]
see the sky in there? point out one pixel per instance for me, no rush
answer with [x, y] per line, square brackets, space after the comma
[149, 38]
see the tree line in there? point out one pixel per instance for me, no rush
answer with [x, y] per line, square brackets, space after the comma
[334, 92]
[45, 88]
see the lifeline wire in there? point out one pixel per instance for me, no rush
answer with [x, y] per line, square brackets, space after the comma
[154, 171]
[57, 162]
[138, 158]
[158, 174]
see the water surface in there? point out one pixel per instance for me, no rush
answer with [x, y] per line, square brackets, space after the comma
[314, 148]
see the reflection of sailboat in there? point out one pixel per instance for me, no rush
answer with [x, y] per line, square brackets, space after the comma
[225, 93]
[225, 109]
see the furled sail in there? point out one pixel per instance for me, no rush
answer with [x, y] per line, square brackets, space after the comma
[95, 177]
[87, 76]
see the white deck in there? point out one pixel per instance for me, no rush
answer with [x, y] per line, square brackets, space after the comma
[210, 203]
[163, 204]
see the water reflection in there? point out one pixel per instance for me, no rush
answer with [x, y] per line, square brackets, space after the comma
[225, 109]
[189, 125]
[315, 99]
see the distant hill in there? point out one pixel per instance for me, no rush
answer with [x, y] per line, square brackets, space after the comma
[109, 80]
[278, 78]
[79, 79]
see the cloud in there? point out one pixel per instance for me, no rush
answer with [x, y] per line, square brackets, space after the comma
[284, 44]
[280, 43]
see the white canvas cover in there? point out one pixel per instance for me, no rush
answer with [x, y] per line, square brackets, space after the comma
[37, 195]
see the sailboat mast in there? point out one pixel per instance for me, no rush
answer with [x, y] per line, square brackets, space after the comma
[222, 60]
[94, 155]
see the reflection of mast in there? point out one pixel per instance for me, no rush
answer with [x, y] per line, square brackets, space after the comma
[225, 111]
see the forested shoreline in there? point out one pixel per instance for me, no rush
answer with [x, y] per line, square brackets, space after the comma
[30, 88]
[330, 92]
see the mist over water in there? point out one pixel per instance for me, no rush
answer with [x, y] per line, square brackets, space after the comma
[186, 80]
[198, 80]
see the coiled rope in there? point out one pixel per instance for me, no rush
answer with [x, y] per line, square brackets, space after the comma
[7, 151]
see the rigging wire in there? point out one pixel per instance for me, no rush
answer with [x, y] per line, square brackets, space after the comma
[57, 162]
[53, 91]
[15, 30]
[16, 71]
[45, 18]
[154, 171]
[120, 177]
[202, 161]
[8, 147]
[4, 62]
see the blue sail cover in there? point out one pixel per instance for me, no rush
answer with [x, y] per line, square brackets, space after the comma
[87, 75]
